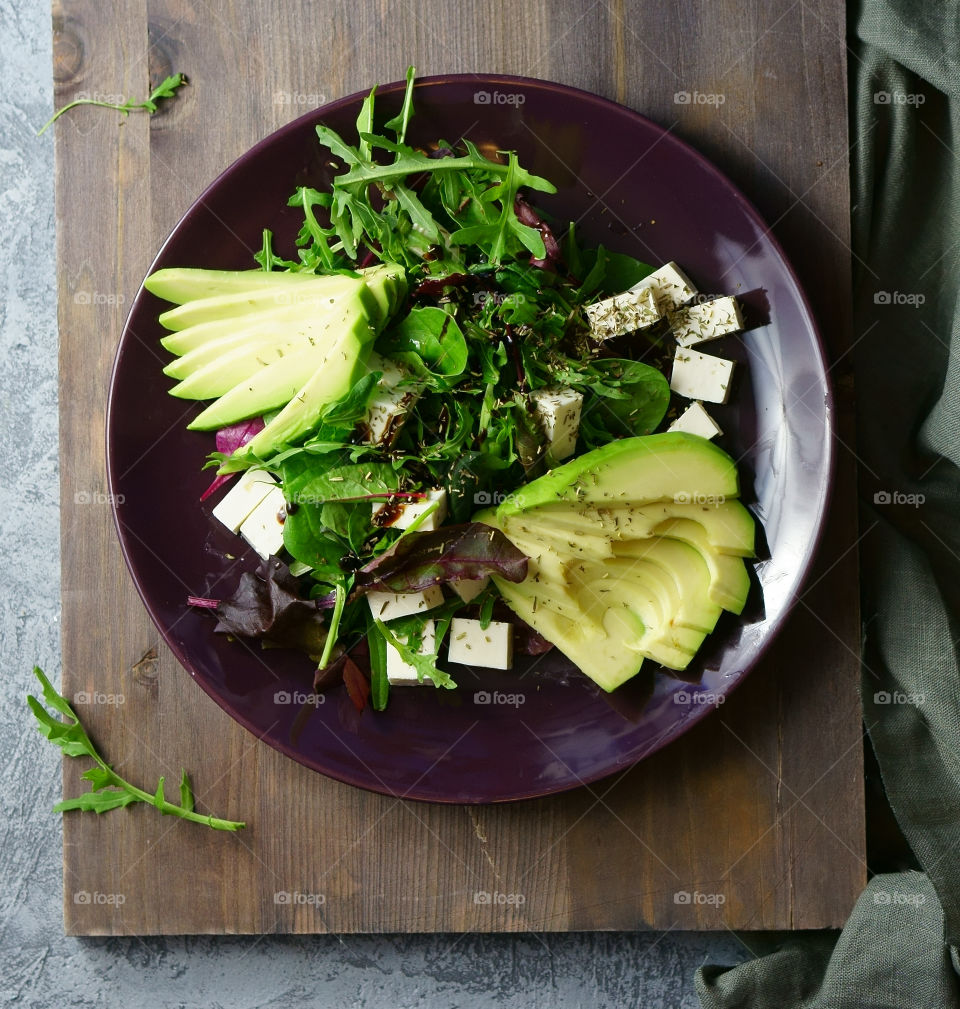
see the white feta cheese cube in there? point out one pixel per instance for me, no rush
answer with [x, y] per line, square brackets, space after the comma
[696, 420]
[410, 510]
[701, 376]
[670, 285]
[390, 605]
[389, 407]
[401, 673]
[469, 588]
[558, 411]
[263, 527]
[706, 321]
[623, 313]
[251, 488]
[471, 645]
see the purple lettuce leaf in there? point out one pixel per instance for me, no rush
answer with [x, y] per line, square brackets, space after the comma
[447, 554]
[229, 439]
[267, 605]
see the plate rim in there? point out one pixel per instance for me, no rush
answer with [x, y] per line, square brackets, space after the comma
[828, 485]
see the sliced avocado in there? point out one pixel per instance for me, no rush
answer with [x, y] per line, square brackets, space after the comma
[683, 593]
[637, 603]
[728, 524]
[545, 591]
[576, 542]
[182, 285]
[215, 367]
[642, 470]
[201, 356]
[279, 384]
[341, 367]
[277, 324]
[388, 284]
[316, 292]
[602, 655]
[236, 367]
[729, 579]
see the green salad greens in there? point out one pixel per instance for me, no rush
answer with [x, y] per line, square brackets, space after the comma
[493, 313]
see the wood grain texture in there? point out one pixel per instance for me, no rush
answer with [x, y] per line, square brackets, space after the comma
[762, 803]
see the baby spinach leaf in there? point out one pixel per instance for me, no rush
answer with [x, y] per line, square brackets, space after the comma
[626, 398]
[309, 480]
[430, 342]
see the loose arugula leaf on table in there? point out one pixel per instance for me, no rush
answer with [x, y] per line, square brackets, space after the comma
[167, 88]
[108, 790]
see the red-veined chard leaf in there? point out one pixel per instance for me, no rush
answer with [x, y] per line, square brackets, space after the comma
[450, 553]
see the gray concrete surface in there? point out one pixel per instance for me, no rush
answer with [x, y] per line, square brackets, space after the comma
[39, 966]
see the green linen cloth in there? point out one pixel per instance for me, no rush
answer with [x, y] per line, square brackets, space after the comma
[898, 948]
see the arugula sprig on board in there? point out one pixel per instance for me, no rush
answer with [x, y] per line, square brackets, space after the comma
[167, 88]
[107, 789]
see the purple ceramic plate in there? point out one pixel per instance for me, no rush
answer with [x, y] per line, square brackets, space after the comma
[538, 729]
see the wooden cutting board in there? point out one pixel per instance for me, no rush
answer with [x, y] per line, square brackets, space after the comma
[757, 814]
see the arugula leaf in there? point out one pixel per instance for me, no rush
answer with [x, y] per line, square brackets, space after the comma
[268, 260]
[379, 684]
[400, 122]
[107, 789]
[167, 88]
[494, 237]
[407, 641]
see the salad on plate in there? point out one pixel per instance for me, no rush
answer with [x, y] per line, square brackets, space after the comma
[453, 433]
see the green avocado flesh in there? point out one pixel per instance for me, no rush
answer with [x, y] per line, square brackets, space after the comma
[256, 342]
[182, 285]
[636, 549]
